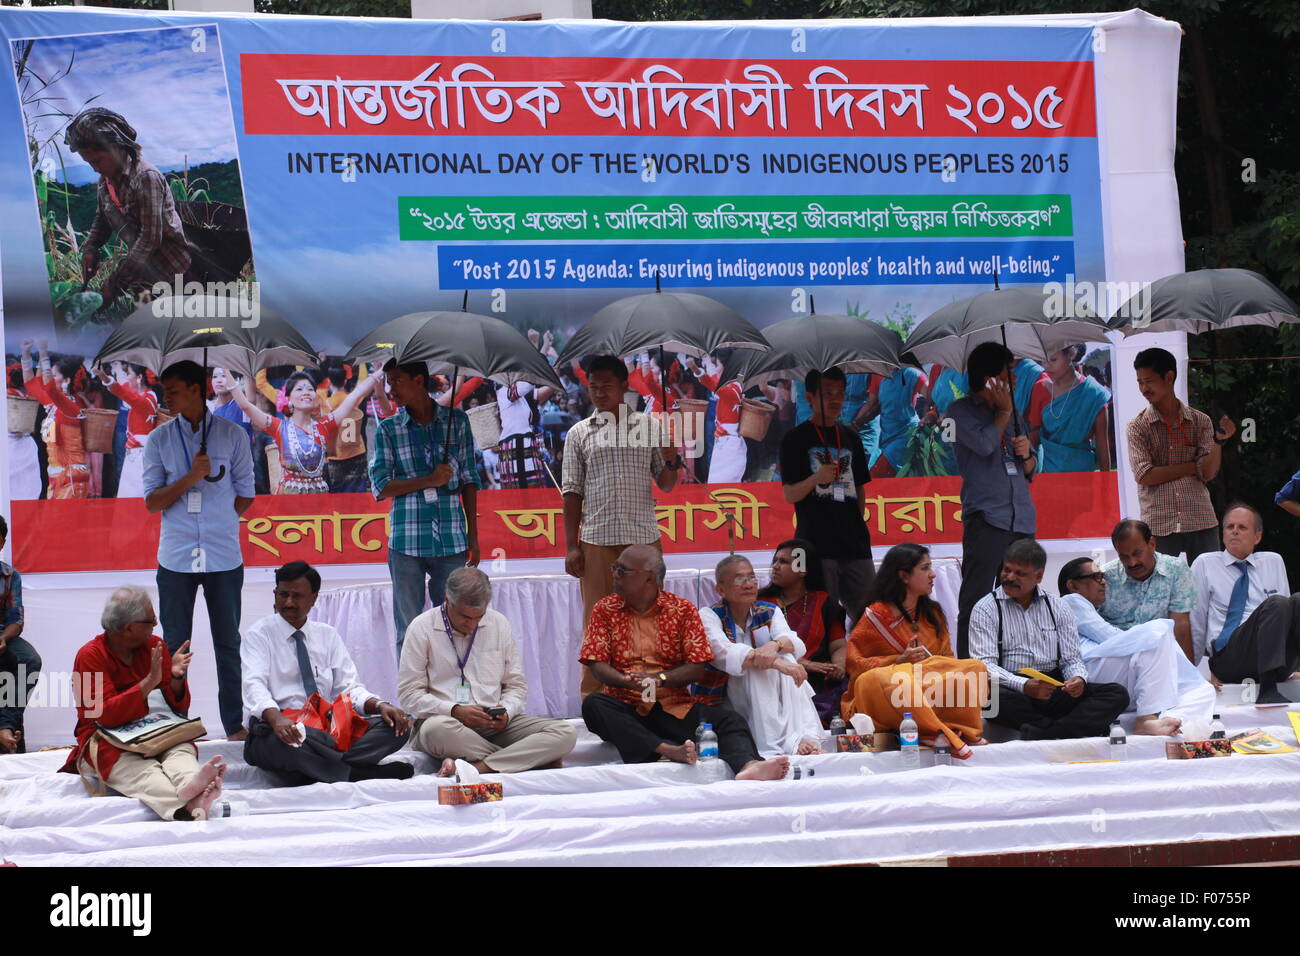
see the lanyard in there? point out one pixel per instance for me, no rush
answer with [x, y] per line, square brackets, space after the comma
[425, 442]
[822, 438]
[460, 663]
[1182, 435]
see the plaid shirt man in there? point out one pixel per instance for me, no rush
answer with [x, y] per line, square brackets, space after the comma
[610, 461]
[1181, 505]
[139, 208]
[421, 527]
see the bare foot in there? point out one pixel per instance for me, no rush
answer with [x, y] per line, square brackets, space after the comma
[194, 786]
[1154, 726]
[200, 805]
[8, 741]
[448, 768]
[238, 735]
[678, 753]
[773, 769]
[807, 746]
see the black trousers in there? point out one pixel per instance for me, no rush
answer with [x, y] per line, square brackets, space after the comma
[1266, 647]
[1194, 543]
[636, 737]
[318, 760]
[1061, 716]
[982, 547]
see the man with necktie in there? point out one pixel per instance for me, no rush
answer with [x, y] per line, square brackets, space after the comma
[287, 658]
[1246, 617]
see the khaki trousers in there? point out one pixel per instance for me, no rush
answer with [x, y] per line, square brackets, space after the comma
[526, 742]
[598, 582]
[152, 780]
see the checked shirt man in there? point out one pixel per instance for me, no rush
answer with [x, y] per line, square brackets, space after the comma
[434, 487]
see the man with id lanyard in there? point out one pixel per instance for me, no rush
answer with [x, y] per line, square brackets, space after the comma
[434, 486]
[823, 474]
[201, 497]
[462, 679]
[995, 463]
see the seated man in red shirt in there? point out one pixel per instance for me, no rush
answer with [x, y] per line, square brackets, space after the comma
[648, 649]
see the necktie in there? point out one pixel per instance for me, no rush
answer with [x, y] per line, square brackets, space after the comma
[304, 663]
[1236, 604]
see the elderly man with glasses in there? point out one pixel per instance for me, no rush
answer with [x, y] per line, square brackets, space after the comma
[649, 651]
[759, 653]
[1163, 685]
[462, 679]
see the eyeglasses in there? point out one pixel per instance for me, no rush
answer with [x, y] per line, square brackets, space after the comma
[151, 623]
[741, 580]
[620, 570]
[1098, 576]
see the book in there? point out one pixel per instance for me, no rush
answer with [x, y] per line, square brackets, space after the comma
[1195, 749]
[1258, 742]
[1039, 675]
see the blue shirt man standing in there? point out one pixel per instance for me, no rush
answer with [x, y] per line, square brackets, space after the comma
[201, 497]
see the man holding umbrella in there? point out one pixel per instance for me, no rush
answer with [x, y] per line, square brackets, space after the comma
[610, 459]
[995, 464]
[424, 461]
[198, 472]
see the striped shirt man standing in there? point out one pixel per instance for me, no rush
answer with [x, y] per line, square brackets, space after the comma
[1019, 626]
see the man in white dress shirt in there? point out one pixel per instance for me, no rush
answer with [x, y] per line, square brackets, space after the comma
[754, 645]
[1018, 626]
[461, 679]
[286, 659]
[1246, 617]
[1146, 658]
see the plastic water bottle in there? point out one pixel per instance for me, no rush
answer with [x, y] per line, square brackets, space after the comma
[910, 740]
[1217, 730]
[710, 767]
[1118, 742]
[942, 751]
[838, 726]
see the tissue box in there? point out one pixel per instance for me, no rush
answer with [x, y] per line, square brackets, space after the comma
[460, 794]
[1194, 749]
[865, 743]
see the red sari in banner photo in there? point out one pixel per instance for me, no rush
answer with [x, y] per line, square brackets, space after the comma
[53, 536]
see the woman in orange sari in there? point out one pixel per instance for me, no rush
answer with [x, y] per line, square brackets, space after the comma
[900, 658]
[58, 387]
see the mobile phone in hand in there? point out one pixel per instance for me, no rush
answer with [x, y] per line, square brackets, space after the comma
[495, 712]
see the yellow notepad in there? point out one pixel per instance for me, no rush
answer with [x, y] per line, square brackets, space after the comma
[1295, 723]
[1039, 675]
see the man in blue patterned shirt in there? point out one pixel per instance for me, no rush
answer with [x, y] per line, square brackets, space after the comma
[434, 487]
[1143, 585]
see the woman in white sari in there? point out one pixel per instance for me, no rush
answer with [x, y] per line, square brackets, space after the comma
[757, 649]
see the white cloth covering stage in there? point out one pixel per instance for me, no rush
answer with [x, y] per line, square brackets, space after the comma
[1008, 797]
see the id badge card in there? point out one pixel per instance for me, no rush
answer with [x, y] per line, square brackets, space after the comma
[462, 693]
[1012, 466]
[431, 495]
[193, 501]
[837, 491]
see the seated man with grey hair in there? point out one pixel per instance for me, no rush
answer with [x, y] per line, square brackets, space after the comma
[122, 676]
[461, 678]
[759, 653]
[648, 649]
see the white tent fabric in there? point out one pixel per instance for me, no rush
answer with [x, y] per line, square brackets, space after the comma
[1008, 797]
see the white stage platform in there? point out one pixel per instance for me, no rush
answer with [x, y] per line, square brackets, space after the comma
[1008, 797]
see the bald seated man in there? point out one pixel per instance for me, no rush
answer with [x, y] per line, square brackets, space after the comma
[648, 649]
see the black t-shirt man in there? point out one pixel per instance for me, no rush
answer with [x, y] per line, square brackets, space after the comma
[824, 473]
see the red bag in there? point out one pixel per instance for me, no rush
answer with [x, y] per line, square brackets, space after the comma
[339, 719]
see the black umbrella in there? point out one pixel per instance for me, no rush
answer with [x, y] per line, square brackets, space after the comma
[452, 343]
[1031, 323]
[205, 329]
[807, 342]
[1203, 301]
[669, 321]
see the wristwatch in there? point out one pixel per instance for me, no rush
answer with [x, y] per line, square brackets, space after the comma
[662, 678]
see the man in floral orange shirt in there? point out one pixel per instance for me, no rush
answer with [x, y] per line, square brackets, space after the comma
[648, 650]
